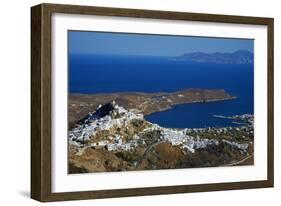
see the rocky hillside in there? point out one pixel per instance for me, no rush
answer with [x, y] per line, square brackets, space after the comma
[113, 138]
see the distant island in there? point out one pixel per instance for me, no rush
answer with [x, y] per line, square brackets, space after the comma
[146, 103]
[237, 57]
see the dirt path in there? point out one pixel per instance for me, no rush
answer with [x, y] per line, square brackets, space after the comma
[240, 161]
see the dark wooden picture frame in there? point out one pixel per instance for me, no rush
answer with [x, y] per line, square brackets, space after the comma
[41, 101]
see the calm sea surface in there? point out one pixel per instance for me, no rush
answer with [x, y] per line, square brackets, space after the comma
[91, 74]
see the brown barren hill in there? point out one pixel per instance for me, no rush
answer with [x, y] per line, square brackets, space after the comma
[81, 104]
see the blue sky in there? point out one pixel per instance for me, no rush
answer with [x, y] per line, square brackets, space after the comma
[84, 42]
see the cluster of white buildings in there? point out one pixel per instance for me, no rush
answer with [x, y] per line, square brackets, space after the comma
[179, 138]
[236, 145]
[116, 143]
[83, 133]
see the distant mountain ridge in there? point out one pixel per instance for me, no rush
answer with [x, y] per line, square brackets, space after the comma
[237, 57]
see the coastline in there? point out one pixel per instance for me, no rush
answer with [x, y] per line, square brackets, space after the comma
[192, 102]
[147, 103]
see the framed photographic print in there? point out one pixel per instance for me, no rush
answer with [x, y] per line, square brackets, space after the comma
[130, 102]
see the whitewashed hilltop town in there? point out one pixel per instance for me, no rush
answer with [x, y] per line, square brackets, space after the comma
[112, 138]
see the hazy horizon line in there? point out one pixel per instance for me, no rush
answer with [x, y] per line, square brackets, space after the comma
[140, 55]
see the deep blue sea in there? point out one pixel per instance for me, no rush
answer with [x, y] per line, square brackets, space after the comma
[91, 74]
